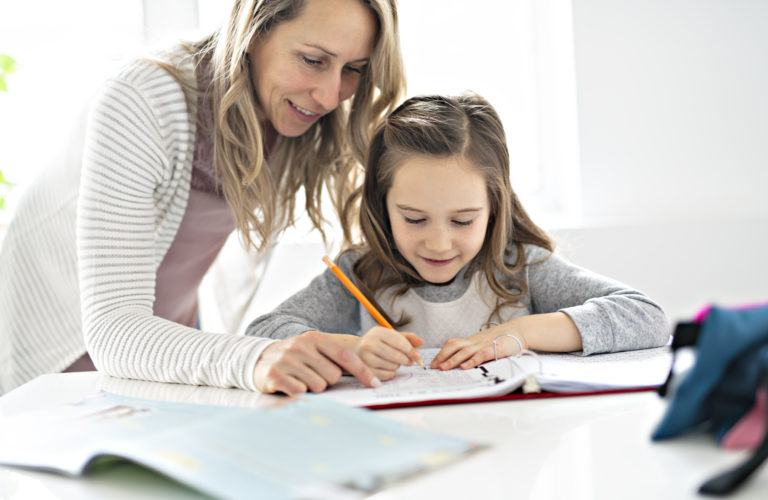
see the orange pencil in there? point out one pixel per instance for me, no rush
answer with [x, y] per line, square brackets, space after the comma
[359, 296]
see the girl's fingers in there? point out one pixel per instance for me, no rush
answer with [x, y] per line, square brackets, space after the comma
[455, 360]
[467, 357]
[444, 359]
[445, 352]
[385, 374]
[478, 358]
[415, 341]
[390, 346]
[376, 361]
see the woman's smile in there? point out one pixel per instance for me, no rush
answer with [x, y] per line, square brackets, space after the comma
[303, 114]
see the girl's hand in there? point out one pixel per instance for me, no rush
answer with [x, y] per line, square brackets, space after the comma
[550, 332]
[472, 351]
[385, 350]
[311, 361]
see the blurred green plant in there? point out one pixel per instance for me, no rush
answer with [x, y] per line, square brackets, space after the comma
[7, 66]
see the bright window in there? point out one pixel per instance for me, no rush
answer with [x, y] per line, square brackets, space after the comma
[516, 53]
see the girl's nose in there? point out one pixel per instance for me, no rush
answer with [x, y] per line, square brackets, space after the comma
[438, 240]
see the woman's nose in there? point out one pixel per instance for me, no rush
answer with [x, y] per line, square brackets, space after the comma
[327, 92]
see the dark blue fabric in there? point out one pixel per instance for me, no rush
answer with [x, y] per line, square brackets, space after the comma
[734, 396]
[720, 388]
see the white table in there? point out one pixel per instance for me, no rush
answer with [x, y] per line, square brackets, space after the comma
[594, 447]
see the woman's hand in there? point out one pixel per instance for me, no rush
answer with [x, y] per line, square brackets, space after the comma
[312, 361]
[472, 351]
[385, 350]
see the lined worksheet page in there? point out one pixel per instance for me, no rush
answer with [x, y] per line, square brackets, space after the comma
[554, 372]
[414, 383]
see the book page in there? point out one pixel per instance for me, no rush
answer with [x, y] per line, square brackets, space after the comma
[414, 383]
[303, 447]
[554, 372]
[597, 372]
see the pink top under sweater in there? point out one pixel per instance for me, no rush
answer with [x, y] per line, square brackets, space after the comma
[206, 224]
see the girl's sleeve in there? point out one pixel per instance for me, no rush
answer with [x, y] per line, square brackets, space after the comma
[324, 305]
[138, 136]
[609, 315]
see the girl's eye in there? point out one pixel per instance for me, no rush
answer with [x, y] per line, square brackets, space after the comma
[413, 221]
[353, 69]
[463, 223]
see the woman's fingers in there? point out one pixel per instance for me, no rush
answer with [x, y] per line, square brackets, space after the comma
[349, 361]
[311, 361]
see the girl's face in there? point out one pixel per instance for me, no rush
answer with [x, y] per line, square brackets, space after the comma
[306, 66]
[438, 209]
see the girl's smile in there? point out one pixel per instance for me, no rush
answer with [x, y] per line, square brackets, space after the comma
[438, 263]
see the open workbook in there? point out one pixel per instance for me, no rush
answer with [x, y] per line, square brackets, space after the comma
[307, 447]
[558, 373]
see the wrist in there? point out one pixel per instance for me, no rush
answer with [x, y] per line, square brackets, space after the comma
[514, 332]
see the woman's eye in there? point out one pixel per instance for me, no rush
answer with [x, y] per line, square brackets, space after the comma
[413, 221]
[311, 62]
[353, 69]
[463, 222]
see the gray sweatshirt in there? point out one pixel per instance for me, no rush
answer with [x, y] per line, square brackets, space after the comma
[610, 316]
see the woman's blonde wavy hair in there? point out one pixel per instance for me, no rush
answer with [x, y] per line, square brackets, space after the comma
[441, 126]
[329, 154]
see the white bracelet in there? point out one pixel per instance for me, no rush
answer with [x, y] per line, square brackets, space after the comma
[519, 342]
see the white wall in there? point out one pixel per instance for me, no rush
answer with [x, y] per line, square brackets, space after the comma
[681, 266]
[672, 108]
[673, 127]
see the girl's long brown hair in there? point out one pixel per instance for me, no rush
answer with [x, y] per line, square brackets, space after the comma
[441, 126]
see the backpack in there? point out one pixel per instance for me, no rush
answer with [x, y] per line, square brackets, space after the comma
[724, 392]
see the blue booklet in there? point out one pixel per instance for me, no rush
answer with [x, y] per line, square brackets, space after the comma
[305, 447]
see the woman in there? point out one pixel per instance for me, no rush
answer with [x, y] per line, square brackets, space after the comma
[107, 254]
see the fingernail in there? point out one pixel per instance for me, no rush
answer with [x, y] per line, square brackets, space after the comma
[375, 382]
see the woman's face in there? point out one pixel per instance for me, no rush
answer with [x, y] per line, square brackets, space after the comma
[305, 67]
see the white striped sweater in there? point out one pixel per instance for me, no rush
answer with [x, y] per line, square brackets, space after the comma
[109, 221]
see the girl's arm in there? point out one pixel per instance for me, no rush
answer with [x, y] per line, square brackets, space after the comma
[325, 309]
[324, 305]
[551, 332]
[573, 309]
[610, 316]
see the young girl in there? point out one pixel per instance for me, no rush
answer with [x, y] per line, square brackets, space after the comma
[452, 259]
